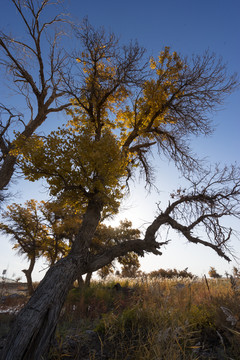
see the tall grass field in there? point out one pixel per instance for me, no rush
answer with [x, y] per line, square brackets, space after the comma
[148, 319]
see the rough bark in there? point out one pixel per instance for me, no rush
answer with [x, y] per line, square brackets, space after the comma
[35, 325]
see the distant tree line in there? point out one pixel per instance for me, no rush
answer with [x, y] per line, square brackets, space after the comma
[171, 274]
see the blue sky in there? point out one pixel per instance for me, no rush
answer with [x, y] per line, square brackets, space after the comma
[189, 27]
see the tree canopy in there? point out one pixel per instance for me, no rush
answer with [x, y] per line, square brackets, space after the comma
[40, 230]
[120, 111]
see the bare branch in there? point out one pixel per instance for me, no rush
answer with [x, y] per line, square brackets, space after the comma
[208, 201]
[37, 81]
[173, 116]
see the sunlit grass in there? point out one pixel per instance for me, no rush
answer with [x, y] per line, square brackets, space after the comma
[149, 319]
[158, 319]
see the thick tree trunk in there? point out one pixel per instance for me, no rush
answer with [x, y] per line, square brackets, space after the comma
[35, 324]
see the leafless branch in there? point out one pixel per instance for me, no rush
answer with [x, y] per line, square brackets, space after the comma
[190, 214]
[37, 80]
[200, 89]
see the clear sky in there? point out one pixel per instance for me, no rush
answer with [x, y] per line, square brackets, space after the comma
[189, 27]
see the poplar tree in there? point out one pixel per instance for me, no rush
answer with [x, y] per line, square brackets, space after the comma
[121, 110]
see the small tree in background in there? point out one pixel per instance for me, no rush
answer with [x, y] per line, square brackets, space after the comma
[213, 273]
[40, 229]
[130, 265]
[26, 231]
[236, 272]
[48, 229]
[105, 271]
[109, 236]
[185, 274]
[171, 273]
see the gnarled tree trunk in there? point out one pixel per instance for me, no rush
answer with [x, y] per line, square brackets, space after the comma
[35, 325]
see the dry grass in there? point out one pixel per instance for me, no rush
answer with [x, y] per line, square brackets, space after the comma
[156, 320]
[162, 320]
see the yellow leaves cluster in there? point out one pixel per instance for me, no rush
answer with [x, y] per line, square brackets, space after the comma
[96, 65]
[21, 144]
[125, 123]
[37, 230]
[22, 223]
[153, 63]
[151, 108]
[72, 157]
[168, 67]
[101, 161]
[164, 85]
